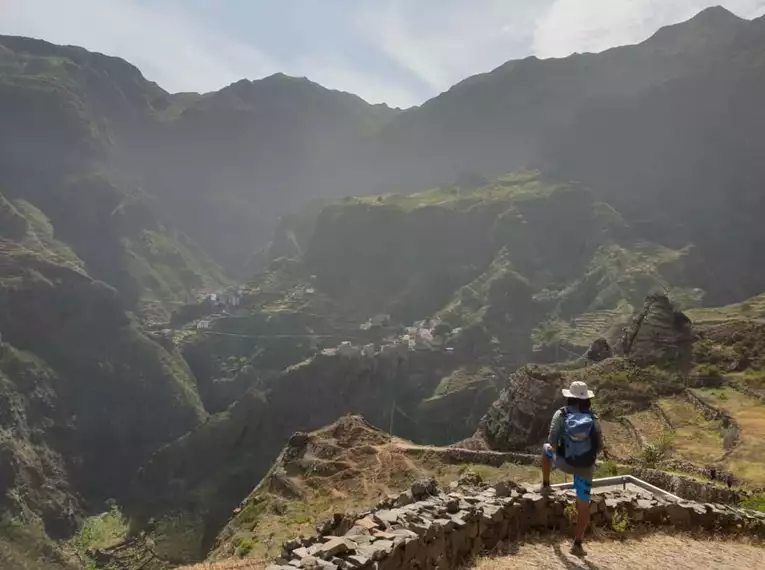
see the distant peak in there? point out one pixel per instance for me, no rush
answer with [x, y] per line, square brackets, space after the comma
[708, 27]
[716, 14]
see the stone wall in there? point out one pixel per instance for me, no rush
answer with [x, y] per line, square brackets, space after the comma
[687, 487]
[427, 529]
[733, 431]
[683, 486]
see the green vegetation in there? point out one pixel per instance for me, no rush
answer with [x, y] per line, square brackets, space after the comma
[99, 532]
[620, 521]
[24, 545]
[245, 547]
[755, 502]
[659, 449]
[607, 469]
[753, 308]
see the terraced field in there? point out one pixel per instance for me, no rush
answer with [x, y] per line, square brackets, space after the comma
[676, 424]
[747, 460]
[695, 438]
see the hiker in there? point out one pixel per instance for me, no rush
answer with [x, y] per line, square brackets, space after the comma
[573, 444]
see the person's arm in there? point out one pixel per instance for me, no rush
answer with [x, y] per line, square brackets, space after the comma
[600, 440]
[556, 430]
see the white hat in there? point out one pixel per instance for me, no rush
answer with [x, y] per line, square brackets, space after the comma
[579, 391]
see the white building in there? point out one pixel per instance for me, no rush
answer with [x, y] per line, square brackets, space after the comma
[368, 350]
[347, 350]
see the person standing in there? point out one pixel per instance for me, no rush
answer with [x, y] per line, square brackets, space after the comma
[572, 446]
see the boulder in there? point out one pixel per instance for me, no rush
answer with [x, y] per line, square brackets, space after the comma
[599, 351]
[424, 488]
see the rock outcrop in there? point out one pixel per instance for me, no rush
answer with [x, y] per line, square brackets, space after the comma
[658, 334]
[599, 351]
[521, 415]
[251, 434]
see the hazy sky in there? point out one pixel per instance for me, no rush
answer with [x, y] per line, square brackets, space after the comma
[401, 52]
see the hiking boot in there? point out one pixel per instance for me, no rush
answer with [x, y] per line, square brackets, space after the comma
[545, 489]
[577, 549]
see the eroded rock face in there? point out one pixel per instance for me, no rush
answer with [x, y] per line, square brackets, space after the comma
[658, 334]
[521, 416]
[599, 351]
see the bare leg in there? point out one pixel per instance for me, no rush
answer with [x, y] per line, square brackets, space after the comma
[546, 468]
[582, 518]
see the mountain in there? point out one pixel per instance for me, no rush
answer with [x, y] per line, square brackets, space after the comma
[661, 126]
[220, 167]
[230, 162]
[666, 131]
[635, 174]
[63, 110]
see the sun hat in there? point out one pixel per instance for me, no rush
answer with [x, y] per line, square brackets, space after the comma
[579, 391]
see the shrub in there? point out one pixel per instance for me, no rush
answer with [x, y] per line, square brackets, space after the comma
[608, 469]
[570, 512]
[754, 502]
[245, 547]
[650, 454]
[659, 449]
[711, 370]
[620, 521]
[665, 443]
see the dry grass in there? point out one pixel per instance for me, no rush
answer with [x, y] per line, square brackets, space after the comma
[619, 439]
[229, 565]
[346, 467]
[696, 438]
[651, 553]
[747, 461]
[648, 424]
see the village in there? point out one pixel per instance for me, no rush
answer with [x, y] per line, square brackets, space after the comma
[425, 335]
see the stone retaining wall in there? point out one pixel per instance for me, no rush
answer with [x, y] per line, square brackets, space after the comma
[427, 529]
[627, 423]
[686, 487]
[744, 389]
[460, 456]
[715, 414]
[681, 485]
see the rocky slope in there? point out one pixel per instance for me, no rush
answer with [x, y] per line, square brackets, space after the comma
[501, 267]
[85, 396]
[64, 110]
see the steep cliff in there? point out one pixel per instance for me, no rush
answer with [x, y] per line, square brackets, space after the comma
[85, 397]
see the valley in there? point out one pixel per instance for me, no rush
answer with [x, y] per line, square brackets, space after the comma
[228, 317]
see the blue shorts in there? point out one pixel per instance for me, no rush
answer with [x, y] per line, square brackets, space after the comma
[582, 475]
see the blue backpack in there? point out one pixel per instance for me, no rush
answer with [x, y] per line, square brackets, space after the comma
[579, 442]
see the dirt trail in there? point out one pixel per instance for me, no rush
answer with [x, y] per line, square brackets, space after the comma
[649, 553]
